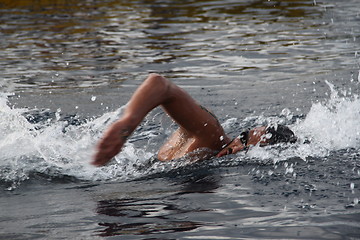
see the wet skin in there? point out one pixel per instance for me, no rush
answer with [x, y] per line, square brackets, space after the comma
[201, 135]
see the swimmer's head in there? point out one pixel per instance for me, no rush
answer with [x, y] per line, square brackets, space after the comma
[260, 135]
[280, 134]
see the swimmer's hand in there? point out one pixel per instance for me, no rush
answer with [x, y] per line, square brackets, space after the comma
[111, 143]
[234, 147]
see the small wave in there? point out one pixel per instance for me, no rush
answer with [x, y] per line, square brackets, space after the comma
[43, 143]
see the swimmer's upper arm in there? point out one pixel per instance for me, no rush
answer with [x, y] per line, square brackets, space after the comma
[193, 118]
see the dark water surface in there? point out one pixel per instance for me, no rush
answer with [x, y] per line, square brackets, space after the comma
[68, 67]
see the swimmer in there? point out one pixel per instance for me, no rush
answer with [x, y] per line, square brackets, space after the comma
[199, 135]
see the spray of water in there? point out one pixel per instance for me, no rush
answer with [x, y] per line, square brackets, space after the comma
[57, 148]
[329, 126]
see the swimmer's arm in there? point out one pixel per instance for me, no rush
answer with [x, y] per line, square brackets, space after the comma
[150, 94]
[112, 141]
[195, 121]
[158, 91]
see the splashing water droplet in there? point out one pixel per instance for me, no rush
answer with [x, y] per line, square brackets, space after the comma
[57, 114]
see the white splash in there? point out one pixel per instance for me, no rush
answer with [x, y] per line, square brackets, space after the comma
[329, 126]
[333, 124]
[53, 147]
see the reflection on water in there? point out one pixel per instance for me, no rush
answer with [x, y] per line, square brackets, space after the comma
[147, 228]
[154, 215]
[49, 44]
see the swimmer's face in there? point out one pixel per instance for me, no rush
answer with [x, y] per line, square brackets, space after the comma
[257, 136]
[234, 147]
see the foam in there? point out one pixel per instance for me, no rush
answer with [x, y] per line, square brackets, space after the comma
[330, 125]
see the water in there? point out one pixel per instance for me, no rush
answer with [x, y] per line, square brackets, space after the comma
[68, 68]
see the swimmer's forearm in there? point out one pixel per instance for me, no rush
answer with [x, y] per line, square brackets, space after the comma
[113, 140]
[152, 93]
